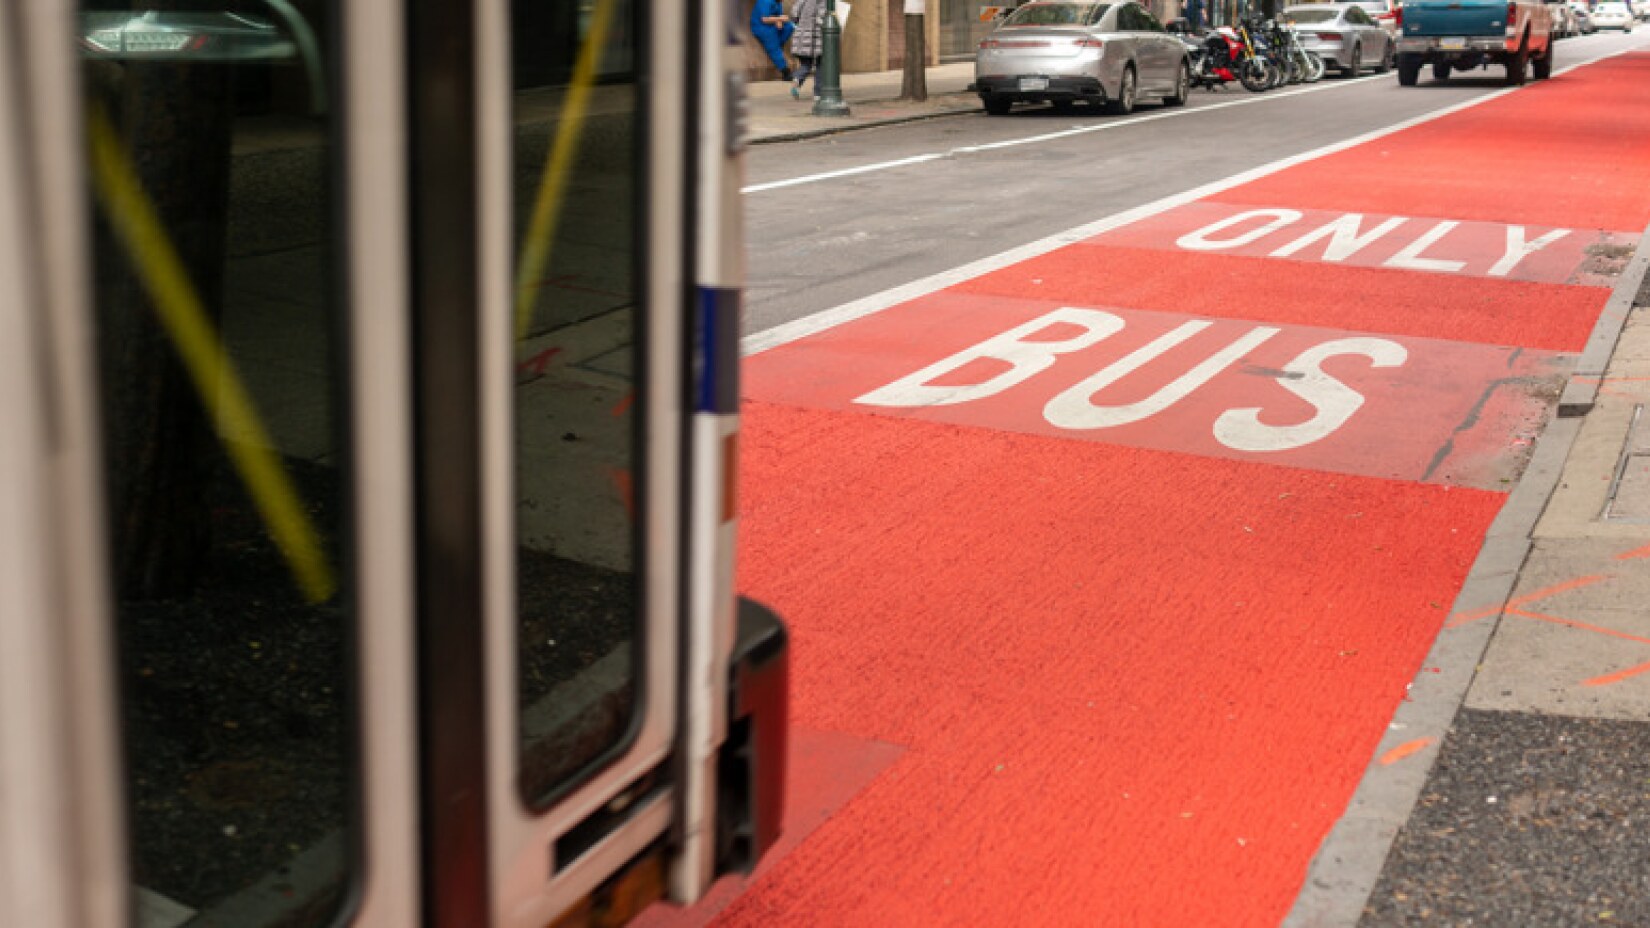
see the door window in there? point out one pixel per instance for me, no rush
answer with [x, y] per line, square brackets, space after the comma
[578, 408]
[221, 375]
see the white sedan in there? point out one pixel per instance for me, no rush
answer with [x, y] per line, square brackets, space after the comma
[1068, 51]
[1343, 35]
[1613, 16]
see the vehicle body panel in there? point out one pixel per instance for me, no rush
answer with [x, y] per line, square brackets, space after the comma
[1060, 62]
[1467, 33]
[1455, 17]
[1384, 12]
[1564, 20]
[1333, 39]
[1613, 16]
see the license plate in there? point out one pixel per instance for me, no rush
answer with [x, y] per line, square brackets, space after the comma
[1452, 43]
[1033, 83]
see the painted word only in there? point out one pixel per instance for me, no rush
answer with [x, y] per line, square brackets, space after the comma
[1027, 350]
[1440, 246]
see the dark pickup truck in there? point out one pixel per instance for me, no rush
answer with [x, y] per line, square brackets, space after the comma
[1459, 35]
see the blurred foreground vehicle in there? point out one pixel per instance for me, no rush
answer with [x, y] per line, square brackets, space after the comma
[366, 513]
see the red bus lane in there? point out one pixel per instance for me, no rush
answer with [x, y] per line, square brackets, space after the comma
[1123, 556]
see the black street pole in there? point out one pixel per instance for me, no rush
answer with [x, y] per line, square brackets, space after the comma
[830, 102]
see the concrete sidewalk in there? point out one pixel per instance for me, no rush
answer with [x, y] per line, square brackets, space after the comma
[873, 100]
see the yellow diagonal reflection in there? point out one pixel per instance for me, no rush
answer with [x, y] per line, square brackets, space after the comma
[156, 261]
[541, 229]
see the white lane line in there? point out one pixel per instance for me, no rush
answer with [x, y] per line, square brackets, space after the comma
[1051, 136]
[847, 172]
[818, 322]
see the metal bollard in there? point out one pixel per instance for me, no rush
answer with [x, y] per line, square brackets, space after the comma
[830, 102]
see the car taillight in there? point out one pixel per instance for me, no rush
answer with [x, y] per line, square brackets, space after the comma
[1090, 42]
[1512, 17]
[1398, 17]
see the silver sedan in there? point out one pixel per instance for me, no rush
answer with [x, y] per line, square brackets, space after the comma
[1066, 51]
[1344, 35]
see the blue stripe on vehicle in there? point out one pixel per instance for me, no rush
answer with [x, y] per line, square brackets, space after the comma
[716, 352]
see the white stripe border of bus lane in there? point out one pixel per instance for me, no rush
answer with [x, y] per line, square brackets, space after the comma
[801, 328]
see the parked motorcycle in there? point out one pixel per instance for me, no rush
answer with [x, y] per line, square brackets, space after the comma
[1211, 55]
[1298, 64]
[1259, 54]
[1255, 68]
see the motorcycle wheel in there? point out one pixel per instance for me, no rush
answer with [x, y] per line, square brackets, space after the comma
[1254, 75]
[1278, 76]
[1315, 67]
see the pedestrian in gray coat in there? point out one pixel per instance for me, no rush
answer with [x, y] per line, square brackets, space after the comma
[807, 42]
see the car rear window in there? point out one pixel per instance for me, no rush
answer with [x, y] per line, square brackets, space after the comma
[1057, 14]
[1311, 16]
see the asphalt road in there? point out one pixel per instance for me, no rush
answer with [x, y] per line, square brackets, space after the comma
[818, 242]
[1097, 622]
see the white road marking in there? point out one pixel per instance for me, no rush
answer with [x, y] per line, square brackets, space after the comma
[1048, 136]
[800, 328]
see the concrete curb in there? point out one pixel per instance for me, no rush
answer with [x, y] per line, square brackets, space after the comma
[822, 131]
[939, 104]
[1349, 862]
[1582, 389]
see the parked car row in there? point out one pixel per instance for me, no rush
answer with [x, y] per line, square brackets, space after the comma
[1577, 18]
[1114, 53]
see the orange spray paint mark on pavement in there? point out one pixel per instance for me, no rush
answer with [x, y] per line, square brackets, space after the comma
[1560, 620]
[538, 363]
[627, 492]
[1635, 553]
[1618, 676]
[1512, 605]
[1405, 750]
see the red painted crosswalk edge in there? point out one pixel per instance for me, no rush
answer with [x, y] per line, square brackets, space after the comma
[1129, 693]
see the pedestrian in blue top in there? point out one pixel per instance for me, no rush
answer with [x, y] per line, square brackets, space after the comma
[773, 29]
